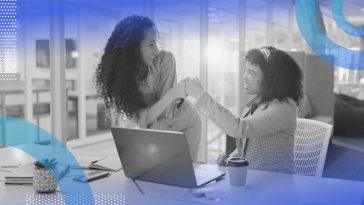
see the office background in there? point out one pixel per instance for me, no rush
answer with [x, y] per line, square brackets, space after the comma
[208, 39]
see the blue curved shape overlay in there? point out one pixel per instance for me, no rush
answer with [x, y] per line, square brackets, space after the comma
[17, 128]
[317, 39]
[342, 22]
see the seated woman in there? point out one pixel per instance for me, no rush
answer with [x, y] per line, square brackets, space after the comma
[265, 131]
[136, 79]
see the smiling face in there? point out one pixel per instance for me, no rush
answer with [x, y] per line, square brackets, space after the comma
[253, 78]
[148, 46]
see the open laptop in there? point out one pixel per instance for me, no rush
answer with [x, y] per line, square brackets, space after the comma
[160, 157]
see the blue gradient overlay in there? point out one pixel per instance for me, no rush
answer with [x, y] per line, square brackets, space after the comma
[16, 128]
[342, 22]
[8, 39]
[33, 11]
[317, 39]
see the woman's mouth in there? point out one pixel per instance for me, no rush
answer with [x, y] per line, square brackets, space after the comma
[246, 85]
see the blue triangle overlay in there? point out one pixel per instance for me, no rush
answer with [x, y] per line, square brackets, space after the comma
[16, 128]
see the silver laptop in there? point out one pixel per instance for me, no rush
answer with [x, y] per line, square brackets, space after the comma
[160, 157]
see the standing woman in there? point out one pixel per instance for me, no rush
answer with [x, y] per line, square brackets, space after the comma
[265, 130]
[136, 79]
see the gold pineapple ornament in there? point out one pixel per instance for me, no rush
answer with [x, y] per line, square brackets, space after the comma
[43, 181]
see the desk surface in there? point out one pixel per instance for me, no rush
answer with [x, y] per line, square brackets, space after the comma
[262, 187]
[116, 184]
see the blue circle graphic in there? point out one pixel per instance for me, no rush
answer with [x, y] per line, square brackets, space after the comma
[317, 39]
[14, 129]
[342, 22]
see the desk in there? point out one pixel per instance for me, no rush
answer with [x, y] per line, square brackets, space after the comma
[73, 96]
[11, 90]
[116, 184]
[262, 188]
[18, 89]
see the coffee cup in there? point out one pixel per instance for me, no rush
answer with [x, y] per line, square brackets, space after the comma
[237, 168]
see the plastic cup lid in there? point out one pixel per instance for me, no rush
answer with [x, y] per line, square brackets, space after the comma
[237, 162]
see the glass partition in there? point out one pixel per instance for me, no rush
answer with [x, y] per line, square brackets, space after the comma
[179, 25]
[223, 65]
[280, 27]
[89, 26]
[25, 69]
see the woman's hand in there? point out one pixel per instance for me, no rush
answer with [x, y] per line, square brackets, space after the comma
[179, 90]
[222, 159]
[194, 87]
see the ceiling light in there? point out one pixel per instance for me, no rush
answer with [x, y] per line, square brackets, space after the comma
[74, 54]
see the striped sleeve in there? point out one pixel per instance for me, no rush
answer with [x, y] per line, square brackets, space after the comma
[276, 117]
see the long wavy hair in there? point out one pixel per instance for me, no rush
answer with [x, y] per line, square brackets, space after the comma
[122, 70]
[282, 76]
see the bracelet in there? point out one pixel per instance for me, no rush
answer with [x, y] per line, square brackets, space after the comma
[186, 88]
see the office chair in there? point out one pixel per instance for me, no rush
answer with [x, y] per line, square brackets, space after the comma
[310, 148]
[311, 143]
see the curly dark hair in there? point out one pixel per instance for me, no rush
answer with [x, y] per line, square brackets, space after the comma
[122, 70]
[282, 76]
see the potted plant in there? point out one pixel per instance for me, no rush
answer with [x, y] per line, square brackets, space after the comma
[43, 181]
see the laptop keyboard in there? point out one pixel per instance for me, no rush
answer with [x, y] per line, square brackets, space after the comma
[198, 177]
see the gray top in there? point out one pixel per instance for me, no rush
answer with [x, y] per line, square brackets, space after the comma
[162, 77]
[267, 136]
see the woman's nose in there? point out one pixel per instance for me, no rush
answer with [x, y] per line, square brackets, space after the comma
[156, 50]
[245, 77]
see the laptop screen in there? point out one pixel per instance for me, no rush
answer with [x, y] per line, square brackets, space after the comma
[155, 156]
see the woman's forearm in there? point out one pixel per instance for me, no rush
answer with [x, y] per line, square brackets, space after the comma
[147, 116]
[157, 109]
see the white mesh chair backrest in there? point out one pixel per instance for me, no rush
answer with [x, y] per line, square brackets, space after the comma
[311, 142]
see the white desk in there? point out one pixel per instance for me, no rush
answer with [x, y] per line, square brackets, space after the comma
[262, 188]
[271, 188]
[116, 184]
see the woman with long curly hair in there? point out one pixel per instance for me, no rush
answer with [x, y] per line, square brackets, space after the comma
[136, 79]
[265, 131]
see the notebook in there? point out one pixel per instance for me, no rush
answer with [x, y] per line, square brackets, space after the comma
[24, 174]
[10, 164]
[97, 162]
[160, 157]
